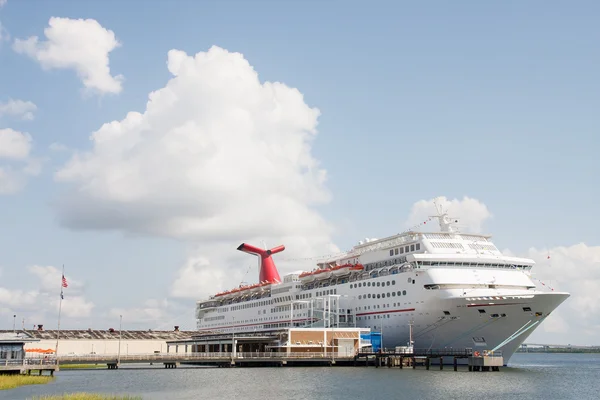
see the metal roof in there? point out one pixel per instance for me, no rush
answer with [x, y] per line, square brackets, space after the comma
[90, 334]
[15, 337]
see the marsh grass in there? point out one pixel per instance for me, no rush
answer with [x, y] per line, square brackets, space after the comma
[87, 396]
[82, 366]
[13, 381]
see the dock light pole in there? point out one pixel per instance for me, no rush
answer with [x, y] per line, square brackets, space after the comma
[119, 351]
[14, 322]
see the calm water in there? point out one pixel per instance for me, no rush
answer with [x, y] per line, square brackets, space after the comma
[529, 376]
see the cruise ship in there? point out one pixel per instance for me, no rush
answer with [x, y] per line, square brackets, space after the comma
[426, 290]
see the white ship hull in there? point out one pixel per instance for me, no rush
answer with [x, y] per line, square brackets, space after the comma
[466, 327]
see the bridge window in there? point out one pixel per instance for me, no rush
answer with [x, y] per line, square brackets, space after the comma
[527, 309]
[446, 312]
[481, 311]
[418, 246]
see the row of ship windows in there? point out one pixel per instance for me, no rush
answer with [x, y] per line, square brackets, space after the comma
[374, 317]
[214, 318]
[405, 249]
[382, 295]
[376, 306]
[317, 294]
[470, 264]
[361, 284]
[257, 304]
[388, 263]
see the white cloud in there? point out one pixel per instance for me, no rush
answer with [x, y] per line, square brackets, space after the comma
[218, 157]
[18, 108]
[42, 302]
[18, 165]
[574, 269]
[79, 44]
[471, 213]
[3, 3]
[11, 181]
[215, 154]
[51, 278]
[14, 144]
[152, 311]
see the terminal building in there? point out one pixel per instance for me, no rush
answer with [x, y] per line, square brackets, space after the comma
[336, 342]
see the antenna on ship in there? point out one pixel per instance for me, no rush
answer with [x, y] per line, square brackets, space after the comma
[444, 220]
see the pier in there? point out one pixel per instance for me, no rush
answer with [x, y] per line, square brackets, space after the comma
[425, 358]
[27, 366]
[474, 359]
[218, 359]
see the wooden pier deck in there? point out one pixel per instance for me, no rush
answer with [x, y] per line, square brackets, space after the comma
[220, 359]
[27, 366]
[424, 357]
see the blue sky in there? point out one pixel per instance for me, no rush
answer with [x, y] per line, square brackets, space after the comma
[497, 102]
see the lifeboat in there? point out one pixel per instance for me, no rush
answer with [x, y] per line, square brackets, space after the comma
[327, 273]
[242, 289]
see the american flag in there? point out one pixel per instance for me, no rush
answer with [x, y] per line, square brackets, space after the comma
[64, 282]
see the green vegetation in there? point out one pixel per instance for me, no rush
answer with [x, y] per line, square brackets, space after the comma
[82, 366]
[87, 396]
[589, 350]
[13, 381]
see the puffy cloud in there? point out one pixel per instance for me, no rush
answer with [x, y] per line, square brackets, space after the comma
[79, 44]
[574, 269]
[42, 302]
[14, 144]
[471, 213]
[18, 108]
[3, 3]
[215, 150]
[17, 164]
[198, 278]
[217, 157]
[152, 311]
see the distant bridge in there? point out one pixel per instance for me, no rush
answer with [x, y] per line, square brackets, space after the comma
[560, 346]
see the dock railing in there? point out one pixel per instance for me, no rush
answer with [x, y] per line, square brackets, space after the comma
[175, 357]
[445, 352]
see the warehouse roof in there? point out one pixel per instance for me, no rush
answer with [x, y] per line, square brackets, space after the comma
[15, 337]
[106, 334]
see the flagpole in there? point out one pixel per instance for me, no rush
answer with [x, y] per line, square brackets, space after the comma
[59, 310]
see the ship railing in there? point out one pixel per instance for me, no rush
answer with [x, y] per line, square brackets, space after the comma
[27, 361]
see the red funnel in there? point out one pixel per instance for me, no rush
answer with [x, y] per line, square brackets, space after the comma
[268, 270]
